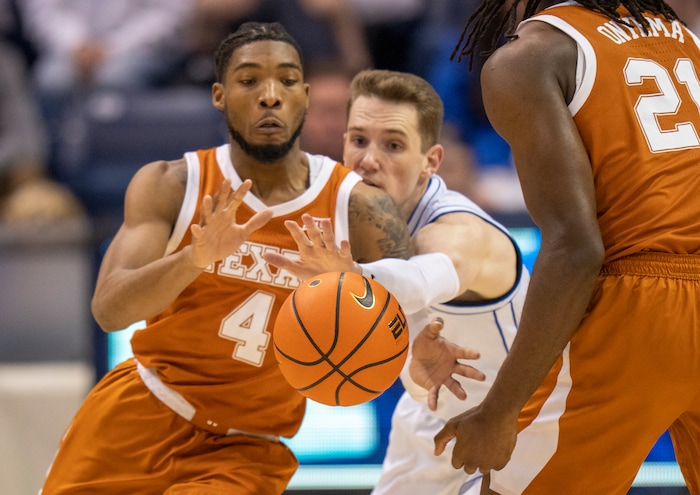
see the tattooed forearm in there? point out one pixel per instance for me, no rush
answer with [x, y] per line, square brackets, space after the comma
[377, 229]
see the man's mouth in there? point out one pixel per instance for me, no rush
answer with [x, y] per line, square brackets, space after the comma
[269, 123]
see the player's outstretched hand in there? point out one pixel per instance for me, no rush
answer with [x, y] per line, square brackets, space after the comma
[484, 440]
[218, 235]
[435, 360]
[318, 251]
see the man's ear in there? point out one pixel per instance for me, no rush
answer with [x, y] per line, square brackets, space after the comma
[434, 158]
[217, 96]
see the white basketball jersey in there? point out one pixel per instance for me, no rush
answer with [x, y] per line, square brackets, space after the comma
[488, 326]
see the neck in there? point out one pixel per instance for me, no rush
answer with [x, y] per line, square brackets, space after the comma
[274, 182]
[411, 202]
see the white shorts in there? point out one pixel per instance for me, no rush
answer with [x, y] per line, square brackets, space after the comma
[410, 467]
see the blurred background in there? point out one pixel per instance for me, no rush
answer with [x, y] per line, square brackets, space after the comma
[90, 91]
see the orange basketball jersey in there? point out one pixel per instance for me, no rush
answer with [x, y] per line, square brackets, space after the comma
[209, 355]
[637, 109]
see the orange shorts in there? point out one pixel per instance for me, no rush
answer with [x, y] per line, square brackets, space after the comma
[124, 440]
[631, 371]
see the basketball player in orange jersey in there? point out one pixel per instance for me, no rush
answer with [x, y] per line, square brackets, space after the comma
[599, 103]
[202, 406]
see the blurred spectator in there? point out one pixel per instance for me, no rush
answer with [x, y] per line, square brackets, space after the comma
[458, 168]
[688, 11]
[495, 185]
[327, 114]
[28, 196]
[88, 44]
[211, 21]
[13, 31]
[391, 30]
[325, 29]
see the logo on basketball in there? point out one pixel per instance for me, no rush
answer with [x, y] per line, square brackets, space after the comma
[366, 301]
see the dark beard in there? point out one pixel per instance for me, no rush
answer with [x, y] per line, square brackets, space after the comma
[266, 153]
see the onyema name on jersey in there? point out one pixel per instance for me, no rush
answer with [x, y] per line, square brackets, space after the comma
[622, 33]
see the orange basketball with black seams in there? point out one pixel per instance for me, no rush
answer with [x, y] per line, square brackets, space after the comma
[341, 339]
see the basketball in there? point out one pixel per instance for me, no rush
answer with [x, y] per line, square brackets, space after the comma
[341, 339]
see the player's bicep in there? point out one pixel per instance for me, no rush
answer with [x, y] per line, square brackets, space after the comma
[151, 206]
[462, 240]
[376, 227]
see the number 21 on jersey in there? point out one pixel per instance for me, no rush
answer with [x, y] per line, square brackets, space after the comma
[666, 102]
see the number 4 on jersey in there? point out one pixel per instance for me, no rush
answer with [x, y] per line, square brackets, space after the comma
[246, 325]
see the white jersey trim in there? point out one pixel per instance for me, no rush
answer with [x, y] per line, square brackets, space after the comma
[586, 64]
[178, 404]
[342, 227]
[320, 170]
[533, 448]
[189, 203]
[167, 396]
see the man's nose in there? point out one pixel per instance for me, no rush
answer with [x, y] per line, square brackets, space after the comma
[369, 161]
[270, 96]
[370, 158]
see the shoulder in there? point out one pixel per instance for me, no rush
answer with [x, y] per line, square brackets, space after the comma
[439, 202]
[158, 189]
[538, 52]
[161, 175]
[463, 223]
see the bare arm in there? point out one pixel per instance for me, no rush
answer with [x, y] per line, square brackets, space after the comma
[376, 227]
[483, 259]
[483, 256]
[525, 87]
[377, 231]
[136, 281]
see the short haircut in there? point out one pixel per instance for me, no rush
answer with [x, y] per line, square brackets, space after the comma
[403, 87]
[250, 32]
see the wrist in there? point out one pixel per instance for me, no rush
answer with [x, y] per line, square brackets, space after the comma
[190, 261]
[494, 406]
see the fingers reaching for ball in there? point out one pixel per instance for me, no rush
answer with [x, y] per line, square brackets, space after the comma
[218, 234]
[318, 251]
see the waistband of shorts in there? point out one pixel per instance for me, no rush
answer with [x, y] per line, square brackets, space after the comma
[185, 409]
[666, 265]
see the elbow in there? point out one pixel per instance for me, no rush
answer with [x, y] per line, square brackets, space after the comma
[593, 253]
[587, 257]
[107, 320]
[572, 254]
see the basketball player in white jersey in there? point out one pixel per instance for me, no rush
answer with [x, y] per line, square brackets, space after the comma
[467, 272]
